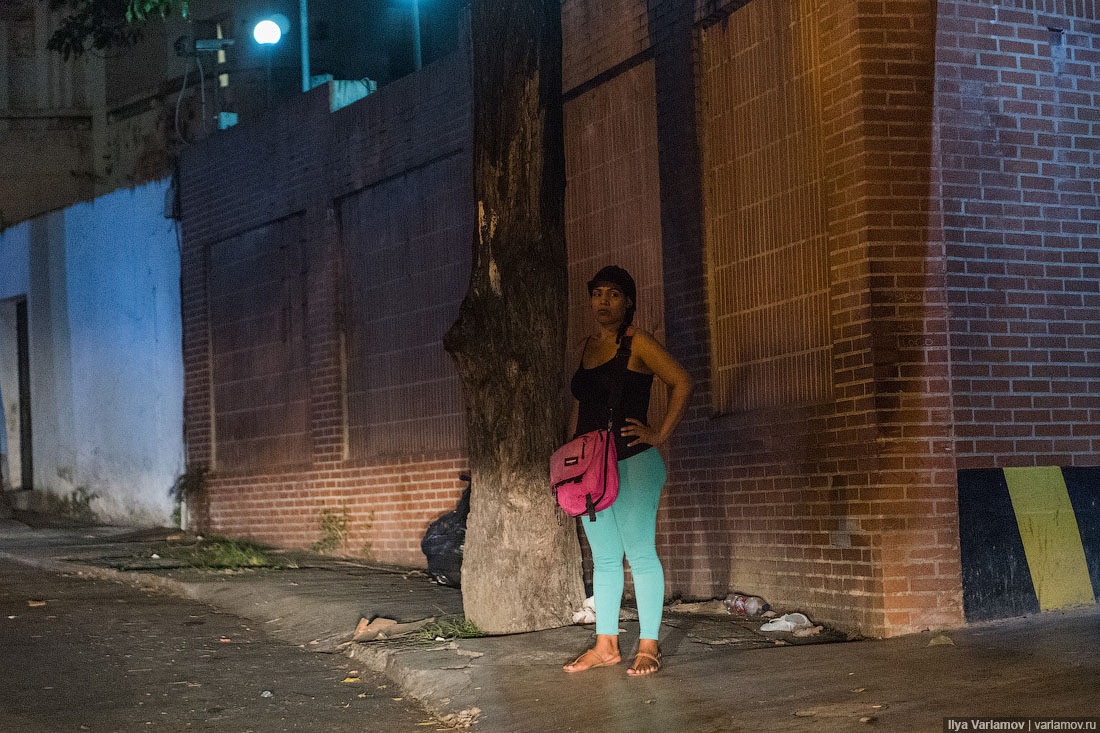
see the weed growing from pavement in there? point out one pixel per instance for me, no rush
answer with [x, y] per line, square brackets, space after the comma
[221, 553]
[77, 505]
[458, 627]
[368, 546]
[334, 530]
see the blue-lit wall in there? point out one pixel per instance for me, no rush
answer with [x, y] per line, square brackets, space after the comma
[101, 280]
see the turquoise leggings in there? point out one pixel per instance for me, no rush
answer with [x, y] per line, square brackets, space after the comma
[629, 526]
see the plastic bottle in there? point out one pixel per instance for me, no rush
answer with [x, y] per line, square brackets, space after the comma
[743, 605]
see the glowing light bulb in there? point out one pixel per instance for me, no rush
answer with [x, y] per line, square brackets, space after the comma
[267, 32]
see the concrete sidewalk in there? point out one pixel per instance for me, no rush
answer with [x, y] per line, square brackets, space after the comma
[720, 674]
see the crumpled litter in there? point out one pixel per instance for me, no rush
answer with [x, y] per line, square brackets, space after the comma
[787, 622]
[803, 631]
[587, 613]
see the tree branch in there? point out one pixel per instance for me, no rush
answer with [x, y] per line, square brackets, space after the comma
[104, 24]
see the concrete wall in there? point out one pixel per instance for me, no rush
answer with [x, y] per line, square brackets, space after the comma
[101, 281]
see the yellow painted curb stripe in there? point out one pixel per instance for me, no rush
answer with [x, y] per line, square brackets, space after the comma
[1052, 541]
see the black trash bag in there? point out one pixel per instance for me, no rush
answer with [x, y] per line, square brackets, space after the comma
[444, 541]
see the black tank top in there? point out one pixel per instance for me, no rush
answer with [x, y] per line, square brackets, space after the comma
[592, 388]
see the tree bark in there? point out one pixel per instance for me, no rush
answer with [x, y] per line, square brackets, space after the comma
[521, 567]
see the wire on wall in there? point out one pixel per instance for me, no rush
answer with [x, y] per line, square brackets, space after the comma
[202, 91]
[183, 88]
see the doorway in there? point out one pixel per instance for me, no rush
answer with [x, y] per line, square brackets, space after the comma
[15, 393]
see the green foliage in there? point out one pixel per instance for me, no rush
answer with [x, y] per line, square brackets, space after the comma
[105, 24]
[458, 627]
[334, 530]
[368, 546]
[218, 552]
[189, 487]
[77, 505]
[142, 9]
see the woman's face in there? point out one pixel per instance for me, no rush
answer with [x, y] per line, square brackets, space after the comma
[609, 304]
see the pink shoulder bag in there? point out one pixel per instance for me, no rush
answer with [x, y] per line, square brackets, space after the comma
[584, 473]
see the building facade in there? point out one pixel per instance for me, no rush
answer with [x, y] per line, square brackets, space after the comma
[869, 231]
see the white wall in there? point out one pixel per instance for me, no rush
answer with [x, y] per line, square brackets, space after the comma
[102, 287]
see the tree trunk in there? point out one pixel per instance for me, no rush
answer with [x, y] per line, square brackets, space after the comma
[521, 568]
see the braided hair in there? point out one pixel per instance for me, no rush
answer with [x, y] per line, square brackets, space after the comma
[627, 320]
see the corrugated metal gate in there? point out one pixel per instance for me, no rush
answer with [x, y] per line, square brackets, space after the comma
[407, 248]
[260, 369]
[767, 255]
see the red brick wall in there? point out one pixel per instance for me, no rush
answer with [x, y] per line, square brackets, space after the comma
[389, 504]
[908, 508]
[302, 161]
[1018, 160]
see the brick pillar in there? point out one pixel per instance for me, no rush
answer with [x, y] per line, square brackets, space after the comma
[889, 309]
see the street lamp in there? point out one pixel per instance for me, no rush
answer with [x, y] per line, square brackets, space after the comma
[267, 33]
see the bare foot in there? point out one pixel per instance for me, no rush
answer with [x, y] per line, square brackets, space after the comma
[646, 661]
[590, 660]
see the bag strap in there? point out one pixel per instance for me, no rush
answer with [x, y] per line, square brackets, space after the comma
[621, 360]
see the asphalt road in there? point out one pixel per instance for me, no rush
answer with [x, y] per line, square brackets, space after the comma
[84, 655]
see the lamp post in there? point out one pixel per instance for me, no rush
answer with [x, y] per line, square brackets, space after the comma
[417, 60]
[303, 24]
[268, 32]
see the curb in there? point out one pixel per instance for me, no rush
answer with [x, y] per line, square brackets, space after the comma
[136, 579]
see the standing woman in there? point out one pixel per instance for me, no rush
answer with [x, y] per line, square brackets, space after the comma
[629, 525]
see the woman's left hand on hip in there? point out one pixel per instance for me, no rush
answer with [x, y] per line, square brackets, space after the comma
[640, 431]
